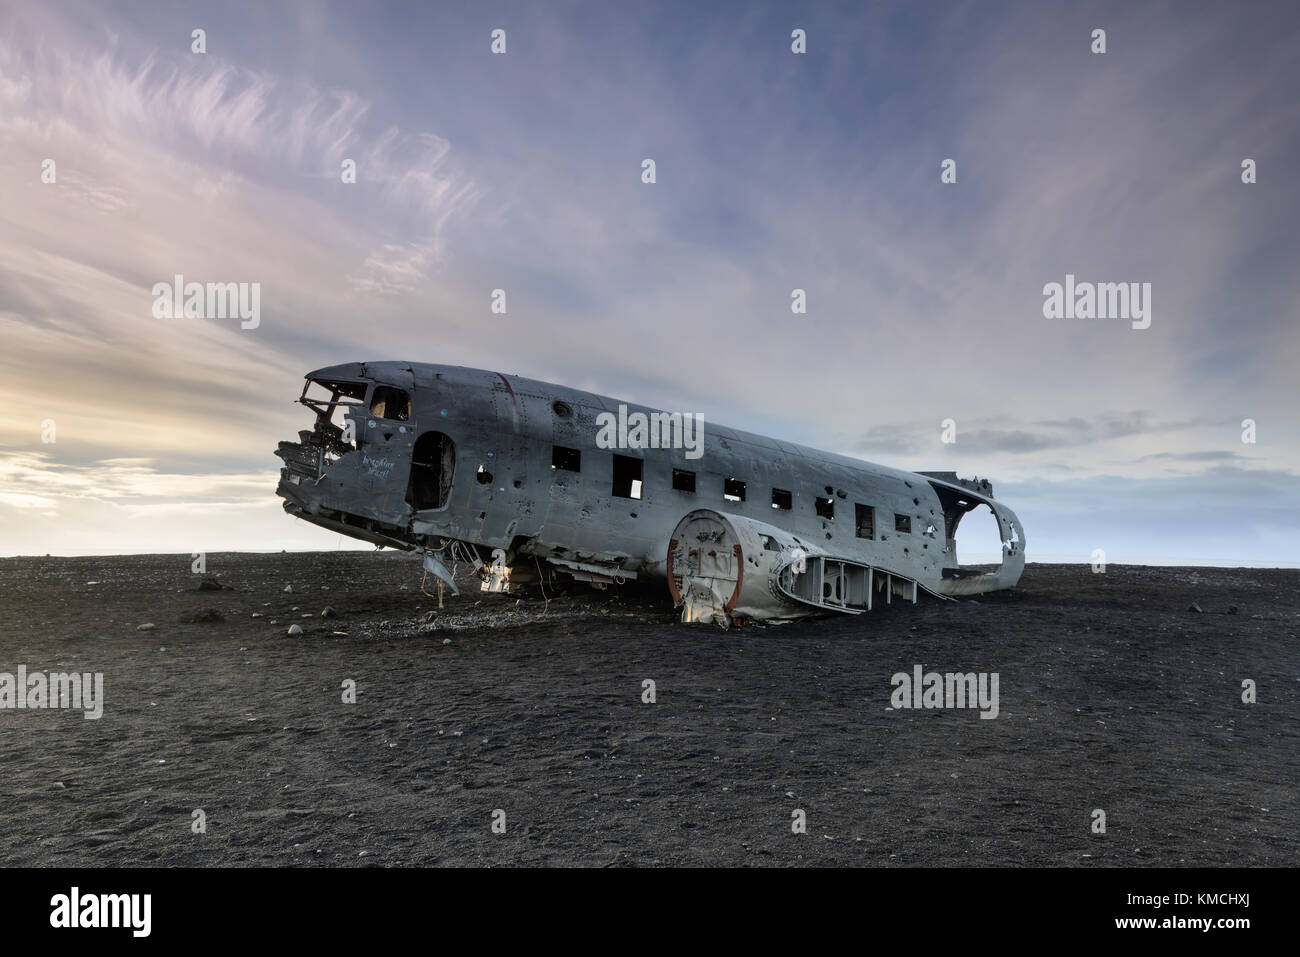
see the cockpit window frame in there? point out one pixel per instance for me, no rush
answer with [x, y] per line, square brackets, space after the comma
[373, 397]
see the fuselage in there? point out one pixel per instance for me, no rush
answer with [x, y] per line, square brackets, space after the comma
[440, 453]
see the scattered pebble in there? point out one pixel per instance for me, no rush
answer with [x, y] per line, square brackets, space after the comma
[147, 626]
[295, 629]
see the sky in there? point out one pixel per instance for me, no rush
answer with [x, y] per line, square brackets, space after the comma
[123, 432]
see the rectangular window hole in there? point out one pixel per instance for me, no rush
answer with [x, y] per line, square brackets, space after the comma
[865, 519]
[570, 460]
[627, 476]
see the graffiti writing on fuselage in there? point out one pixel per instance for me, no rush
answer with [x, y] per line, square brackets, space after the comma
[378, 468]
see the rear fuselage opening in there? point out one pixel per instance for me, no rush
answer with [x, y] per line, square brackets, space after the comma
[986, 550]
[980, 543]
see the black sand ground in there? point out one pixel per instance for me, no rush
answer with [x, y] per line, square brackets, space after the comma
[1113, 695]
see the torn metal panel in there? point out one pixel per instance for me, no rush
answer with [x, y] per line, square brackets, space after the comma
[434, 566]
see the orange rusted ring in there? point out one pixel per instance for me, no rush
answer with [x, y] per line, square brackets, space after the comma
[740, 578]
[672, 582]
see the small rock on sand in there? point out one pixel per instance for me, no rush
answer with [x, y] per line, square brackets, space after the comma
[206, 616]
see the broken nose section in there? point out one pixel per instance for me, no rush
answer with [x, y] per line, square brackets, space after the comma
[346, 490]
[303, 467]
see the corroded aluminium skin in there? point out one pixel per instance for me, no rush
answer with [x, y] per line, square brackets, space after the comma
[482, 446]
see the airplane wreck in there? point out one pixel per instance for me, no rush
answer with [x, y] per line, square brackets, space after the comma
[507, 474]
